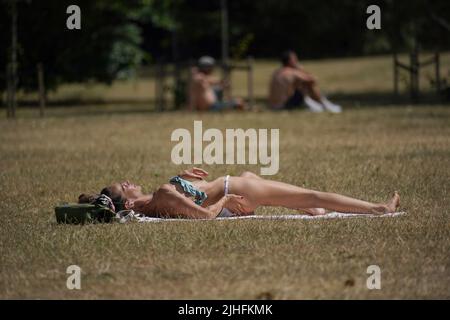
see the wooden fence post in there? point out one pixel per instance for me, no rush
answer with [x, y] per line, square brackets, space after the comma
[13, 66]
[395, 75]
[42, 91]
[8, 90]
[159, 88]
[414, 75]
[251, 100]
[438, 72]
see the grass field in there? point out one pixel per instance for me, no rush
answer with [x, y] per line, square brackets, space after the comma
[363, 152]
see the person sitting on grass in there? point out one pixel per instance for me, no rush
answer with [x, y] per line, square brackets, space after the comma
[292, 84]
[205, 91]
[189, 195]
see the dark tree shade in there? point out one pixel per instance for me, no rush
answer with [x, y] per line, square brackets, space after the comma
[119, 35]
[107, 46]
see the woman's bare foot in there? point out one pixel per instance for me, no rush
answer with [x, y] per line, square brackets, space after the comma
[314, 211]
[394, 203]
[389, 207]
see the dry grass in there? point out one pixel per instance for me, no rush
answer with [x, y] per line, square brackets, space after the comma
[366, 153]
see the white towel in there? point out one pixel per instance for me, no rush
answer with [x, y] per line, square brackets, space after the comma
[128, 216]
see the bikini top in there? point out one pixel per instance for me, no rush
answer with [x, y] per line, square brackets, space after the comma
[188, 188]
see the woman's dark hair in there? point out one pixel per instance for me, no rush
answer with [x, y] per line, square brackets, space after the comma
[86, 198]
[117, 199]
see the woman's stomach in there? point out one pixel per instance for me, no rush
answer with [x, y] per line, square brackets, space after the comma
[213, 189]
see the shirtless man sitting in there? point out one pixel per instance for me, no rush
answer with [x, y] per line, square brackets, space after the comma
[205, 90]
[291, 84]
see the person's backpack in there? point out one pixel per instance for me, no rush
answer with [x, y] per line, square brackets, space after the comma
[99, 210]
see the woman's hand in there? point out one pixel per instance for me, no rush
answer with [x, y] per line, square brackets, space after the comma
[223, 202]
[199, 171]
[237, 204]
[194, 173]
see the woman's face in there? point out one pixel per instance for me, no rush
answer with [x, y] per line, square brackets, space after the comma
[127, 189]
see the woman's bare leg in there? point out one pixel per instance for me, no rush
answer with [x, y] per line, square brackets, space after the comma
[248, 174]
[310, 211]
[273, 193]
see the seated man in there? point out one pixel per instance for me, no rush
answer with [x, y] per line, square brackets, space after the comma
[205, 92]
[291, 84]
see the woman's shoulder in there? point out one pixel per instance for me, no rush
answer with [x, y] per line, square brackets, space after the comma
[167, 193]
[165, 188]
[163, 198]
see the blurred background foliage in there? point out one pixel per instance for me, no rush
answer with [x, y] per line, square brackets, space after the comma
[118, 36]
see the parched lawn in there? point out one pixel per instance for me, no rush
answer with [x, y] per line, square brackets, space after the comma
[365, 153]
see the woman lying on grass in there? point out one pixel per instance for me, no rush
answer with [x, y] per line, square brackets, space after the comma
[188, 195]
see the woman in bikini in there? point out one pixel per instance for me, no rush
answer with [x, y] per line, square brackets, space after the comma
[189, 195]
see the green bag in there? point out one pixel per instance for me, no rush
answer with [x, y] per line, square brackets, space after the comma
[77, 213]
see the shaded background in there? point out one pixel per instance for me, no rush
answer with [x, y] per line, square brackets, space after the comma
[120, 36]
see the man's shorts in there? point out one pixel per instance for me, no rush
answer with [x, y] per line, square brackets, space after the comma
[296, 100]
[221, 104]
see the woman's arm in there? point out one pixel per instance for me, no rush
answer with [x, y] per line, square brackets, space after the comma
[172, 204]
[194, 173]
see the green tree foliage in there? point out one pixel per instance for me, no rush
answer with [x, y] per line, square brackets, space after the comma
[119, 35]
[107, 46]
[314, 28]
